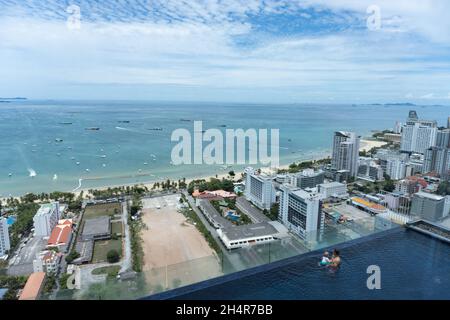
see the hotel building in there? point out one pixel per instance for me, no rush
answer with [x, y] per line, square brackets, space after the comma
[46, 219]
[301, 211]
[259, 189]
[418, 135]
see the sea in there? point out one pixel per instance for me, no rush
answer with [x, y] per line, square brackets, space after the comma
[54, 145]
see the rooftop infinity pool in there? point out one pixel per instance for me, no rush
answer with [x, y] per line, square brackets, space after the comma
[412, 265]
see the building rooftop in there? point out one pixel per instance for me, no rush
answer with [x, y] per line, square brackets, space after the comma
[45, 208]
[332, 184]
[428, 195]
[249, 231]
[33, 286]
[60, 234]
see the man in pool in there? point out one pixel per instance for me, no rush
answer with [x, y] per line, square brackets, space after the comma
[335, 260]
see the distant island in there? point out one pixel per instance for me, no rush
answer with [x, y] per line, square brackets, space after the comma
[8, 100]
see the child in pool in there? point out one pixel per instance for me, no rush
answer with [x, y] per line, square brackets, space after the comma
[325, 259]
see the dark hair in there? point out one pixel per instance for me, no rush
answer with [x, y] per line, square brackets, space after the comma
[336, 252]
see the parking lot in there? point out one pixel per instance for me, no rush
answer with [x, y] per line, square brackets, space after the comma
[22, 262]
[160, 202]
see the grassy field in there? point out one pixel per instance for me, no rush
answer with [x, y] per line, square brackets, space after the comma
[101, 248]
[104, 209]
[116, 227]
[110, 271]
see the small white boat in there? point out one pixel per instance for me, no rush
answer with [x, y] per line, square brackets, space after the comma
[87, 170]
[55, 177]
[103, 156]
[145, 163]
[10, 174]
[104, 165]
[78, 163]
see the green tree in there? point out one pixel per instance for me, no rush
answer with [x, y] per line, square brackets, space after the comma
[112, 256]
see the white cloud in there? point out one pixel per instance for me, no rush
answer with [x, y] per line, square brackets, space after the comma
[193, 43]
[427, 96]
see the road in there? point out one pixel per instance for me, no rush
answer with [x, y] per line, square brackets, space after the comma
[126, 261]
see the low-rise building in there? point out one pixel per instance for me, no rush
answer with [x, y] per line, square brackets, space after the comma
[332, 189]
[246, 235]
[47, 261]
[61, 235]
[33, 287]
[368, 206]
[411, 185]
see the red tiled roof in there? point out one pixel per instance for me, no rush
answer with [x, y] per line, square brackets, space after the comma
[33, 286]
[60, 235]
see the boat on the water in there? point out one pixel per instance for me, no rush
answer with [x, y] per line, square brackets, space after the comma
[65, 123]
[59, 140]
[155, 129]
[92, 128]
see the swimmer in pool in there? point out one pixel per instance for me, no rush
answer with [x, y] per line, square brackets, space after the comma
[325, 259]
[335, 260]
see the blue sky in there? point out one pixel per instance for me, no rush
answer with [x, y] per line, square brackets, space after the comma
[285, 51]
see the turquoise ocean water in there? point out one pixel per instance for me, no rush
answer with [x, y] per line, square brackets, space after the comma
[45, 146]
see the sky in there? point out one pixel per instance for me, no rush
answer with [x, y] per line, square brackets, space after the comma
[286, 51]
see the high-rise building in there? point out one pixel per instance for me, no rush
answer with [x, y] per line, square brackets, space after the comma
[301, 211]
[428, 206]
[4, 236]
[437, 160]
[345, 152]
[395, 169]
[443, 138]
[46, 219]
[418, 135]
[259, 189]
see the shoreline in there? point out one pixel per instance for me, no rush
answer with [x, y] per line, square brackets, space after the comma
[366, 145]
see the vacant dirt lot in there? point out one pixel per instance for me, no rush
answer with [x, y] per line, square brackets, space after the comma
[175, 252]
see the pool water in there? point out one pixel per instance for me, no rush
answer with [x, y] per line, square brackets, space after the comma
[412, 265]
